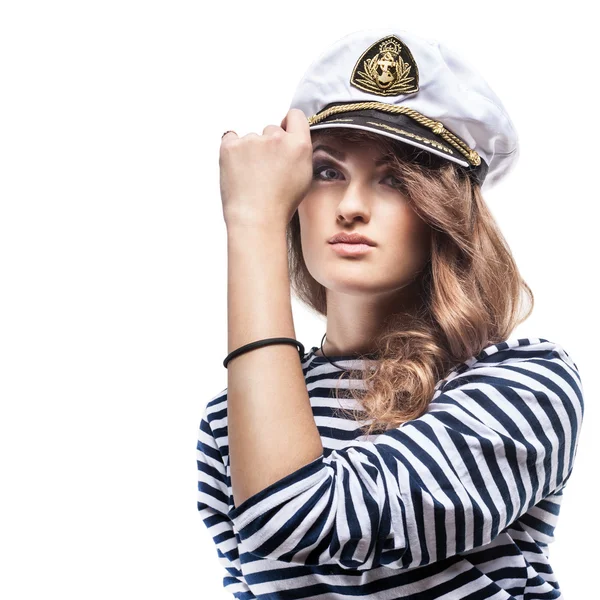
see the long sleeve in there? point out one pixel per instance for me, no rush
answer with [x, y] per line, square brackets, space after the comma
[212, 506]
[496, 440]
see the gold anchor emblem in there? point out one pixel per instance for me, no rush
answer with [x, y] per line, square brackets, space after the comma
[389, 69]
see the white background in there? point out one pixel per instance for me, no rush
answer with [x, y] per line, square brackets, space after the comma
[113, 257]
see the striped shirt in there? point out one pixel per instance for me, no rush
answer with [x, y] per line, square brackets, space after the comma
[459, 503]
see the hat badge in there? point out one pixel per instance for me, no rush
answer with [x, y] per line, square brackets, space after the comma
[388, 69]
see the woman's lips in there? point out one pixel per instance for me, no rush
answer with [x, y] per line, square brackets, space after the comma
[351, 249]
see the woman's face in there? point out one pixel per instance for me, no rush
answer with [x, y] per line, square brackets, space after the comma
[351, 193]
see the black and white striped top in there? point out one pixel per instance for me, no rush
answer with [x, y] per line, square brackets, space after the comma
[459, 503]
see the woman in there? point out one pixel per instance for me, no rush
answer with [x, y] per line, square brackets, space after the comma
[440, 468]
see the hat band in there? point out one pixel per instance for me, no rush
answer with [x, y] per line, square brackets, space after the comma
[435, 126]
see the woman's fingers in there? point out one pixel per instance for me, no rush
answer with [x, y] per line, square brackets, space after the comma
[229, 135]
[265, 177]
[272, 129]
[296, 122]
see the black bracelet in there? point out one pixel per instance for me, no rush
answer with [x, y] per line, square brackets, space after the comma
[265, 342]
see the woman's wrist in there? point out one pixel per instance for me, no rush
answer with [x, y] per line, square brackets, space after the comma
[267, 224]
[255, 230]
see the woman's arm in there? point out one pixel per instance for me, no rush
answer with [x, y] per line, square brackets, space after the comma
[271, 427]
[496, 441]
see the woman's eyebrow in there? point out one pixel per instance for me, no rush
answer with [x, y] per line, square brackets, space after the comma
[342, 155]
[335, 153]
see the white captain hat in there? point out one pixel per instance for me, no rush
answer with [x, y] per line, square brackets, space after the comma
[416, 90]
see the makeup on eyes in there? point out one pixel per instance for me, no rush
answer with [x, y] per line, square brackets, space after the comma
[321, 165]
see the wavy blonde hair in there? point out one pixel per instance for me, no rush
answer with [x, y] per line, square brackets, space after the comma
[471, 289]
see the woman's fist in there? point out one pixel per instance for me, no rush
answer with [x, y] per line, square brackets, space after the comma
[265, 177]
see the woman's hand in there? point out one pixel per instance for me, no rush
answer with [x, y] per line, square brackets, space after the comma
[265, 177]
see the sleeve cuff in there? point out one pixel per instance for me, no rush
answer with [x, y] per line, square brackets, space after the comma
[278, 492]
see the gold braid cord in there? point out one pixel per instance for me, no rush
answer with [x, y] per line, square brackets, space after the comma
[435, 126]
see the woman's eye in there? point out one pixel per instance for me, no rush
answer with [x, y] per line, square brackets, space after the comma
[318, 170]
[395, 182]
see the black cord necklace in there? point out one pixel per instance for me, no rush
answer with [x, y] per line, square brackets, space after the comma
[327, 358]
[354, 355]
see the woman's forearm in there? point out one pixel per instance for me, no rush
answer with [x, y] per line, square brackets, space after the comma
[271, 427]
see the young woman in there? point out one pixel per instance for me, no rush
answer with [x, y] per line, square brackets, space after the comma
[420, 450]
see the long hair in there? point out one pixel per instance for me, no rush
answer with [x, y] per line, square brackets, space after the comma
[471, 291]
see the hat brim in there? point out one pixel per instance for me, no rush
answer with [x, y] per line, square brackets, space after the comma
[400, 127]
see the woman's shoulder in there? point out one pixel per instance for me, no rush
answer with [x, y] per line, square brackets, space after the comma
[543, 358]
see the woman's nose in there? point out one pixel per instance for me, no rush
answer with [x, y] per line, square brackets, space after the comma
[355, 200]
